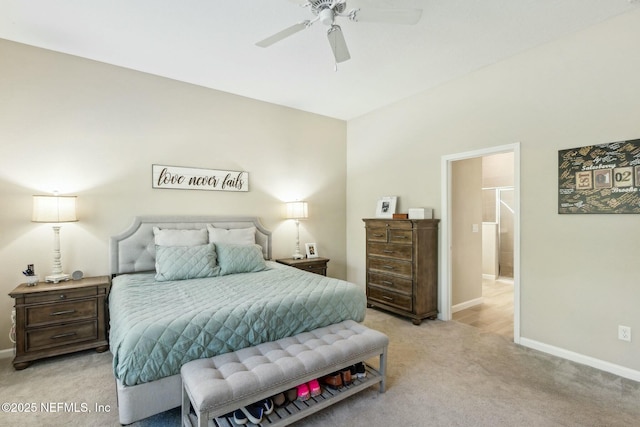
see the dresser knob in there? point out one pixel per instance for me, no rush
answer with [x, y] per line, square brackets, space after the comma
[63, 296]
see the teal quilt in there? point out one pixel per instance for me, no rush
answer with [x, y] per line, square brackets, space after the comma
[156, 327]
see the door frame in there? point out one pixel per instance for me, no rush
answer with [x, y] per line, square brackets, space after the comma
[446, 231]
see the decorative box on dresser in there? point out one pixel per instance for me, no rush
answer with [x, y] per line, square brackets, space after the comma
[402, 266]
[60, 318]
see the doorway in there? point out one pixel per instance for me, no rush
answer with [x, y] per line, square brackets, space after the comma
[499, 205]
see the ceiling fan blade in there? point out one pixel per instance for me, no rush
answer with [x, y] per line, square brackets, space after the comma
[390, 16]
[338, 44]
[283, 34]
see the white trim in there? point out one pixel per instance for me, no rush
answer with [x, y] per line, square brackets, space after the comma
[582, 359]
[467, 304]
[7, 353]
[444, 286]
[490, 276]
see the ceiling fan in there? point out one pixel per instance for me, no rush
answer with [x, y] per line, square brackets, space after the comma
[326, 11]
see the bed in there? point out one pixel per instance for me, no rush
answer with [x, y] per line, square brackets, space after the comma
[172, 301]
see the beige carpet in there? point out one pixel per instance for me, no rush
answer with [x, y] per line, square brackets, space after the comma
[439, 374]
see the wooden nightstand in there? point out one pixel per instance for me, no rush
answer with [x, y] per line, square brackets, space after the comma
[314, 265]
[60, 318]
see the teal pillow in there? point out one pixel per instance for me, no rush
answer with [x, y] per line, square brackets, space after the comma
[239, 258]
[186, 262]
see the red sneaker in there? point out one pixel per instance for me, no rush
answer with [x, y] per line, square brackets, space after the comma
[314, 388]
[303, 392]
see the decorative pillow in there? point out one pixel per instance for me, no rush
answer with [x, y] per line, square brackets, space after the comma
[172, 237]
[236, 236]
[239, 258]
[186, 262]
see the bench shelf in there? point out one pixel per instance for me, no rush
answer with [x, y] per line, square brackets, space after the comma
[297, 410]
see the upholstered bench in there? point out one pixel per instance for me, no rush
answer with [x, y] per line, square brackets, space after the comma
[219, 385]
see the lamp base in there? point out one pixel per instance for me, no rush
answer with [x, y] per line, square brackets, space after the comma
[297, 255]
[55, 278]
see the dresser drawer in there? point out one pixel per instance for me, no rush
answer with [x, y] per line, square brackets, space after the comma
[390, 298]
[378, 234]
[392, 283]
[390, 251]
[55, 336]
[389, 223]
[40, 315]
[390, 265]
[62, 295]
[401, 236]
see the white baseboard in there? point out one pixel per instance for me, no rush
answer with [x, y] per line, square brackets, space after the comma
[6, 354]
[582, 359]
[490, 276]
[467, 304]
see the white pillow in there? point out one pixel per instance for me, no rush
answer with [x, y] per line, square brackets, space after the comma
[235, 236]
[172, 237]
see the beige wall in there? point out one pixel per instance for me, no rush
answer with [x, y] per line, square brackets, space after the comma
[94, 130]
[466, 241]
[579, 278]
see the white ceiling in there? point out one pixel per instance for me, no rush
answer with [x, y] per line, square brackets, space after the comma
[212, 43]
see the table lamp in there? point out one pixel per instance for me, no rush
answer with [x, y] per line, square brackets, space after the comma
[297, 211]
[55, 209]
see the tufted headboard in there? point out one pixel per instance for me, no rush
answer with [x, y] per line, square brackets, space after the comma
[134, 250]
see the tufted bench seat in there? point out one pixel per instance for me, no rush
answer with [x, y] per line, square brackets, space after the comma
[221, 384]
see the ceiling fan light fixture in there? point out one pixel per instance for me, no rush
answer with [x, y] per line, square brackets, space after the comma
[326, 16]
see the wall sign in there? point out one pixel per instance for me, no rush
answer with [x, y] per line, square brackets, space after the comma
[600, 179]
[182, 178]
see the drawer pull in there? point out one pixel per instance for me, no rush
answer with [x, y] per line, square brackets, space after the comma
[60, 313]
[387, 298]
[386, 282]
[378, 235]
[386, 251]
[388, 267]
[69, 334]
[63, 296]
[399, 237]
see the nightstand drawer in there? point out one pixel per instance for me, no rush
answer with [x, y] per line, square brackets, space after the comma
[391, 282]
[54, 336]
[317, 270]
[316, 265]
[55, 313]
[62, 295]
[392, 266]
[390, 298]
[391, 251]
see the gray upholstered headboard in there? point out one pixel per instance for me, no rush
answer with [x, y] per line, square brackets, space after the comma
[134, 249]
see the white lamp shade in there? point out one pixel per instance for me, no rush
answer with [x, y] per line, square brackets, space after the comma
[297, 210]
[54, 209]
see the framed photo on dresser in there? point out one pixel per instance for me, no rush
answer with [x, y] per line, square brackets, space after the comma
[386, 207]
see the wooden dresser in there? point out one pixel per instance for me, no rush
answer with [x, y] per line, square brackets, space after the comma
[60, 318]
[402, 266]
